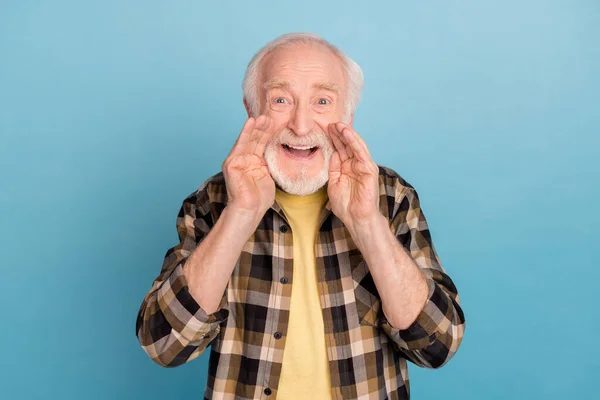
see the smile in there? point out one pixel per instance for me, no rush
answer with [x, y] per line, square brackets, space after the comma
[300, 152]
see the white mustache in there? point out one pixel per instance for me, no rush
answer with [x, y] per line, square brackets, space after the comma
[312, 139]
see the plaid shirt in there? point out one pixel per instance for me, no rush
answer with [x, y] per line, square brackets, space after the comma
[367, 356]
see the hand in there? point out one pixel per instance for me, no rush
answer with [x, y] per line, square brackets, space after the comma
[353, 187]
[250, 188]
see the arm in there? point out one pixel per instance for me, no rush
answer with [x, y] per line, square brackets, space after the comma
[209, 267]
[183, 311]
[417, 295]
[429, 335]
[171, 326]
[400, 283]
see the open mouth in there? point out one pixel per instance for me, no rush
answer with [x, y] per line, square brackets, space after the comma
[300, 151]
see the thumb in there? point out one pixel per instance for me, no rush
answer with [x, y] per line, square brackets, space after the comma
[335, 166]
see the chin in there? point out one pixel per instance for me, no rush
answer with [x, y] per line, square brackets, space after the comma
[301, 185]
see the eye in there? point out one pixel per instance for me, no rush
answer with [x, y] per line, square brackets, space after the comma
[323, 102]
[279, 100]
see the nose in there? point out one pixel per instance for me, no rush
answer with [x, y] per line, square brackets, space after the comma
[300, 121]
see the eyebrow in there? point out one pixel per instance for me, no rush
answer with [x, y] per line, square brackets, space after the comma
[276, 83]
[332, 87]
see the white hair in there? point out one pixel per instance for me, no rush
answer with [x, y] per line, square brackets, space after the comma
[352, 71]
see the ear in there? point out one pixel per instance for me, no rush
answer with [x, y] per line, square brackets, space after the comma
[247, 108]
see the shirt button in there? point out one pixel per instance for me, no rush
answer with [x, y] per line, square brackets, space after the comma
[267, 391]
[277, 335]
[284, 280]
[284, 229]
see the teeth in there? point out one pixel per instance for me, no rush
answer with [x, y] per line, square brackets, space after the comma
[300, 147]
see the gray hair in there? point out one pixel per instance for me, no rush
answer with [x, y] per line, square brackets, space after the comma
[353, 72]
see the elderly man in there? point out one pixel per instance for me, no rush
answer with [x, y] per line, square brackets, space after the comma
[308, 268]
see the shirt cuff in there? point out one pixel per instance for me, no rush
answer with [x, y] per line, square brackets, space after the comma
[183, 313]
[423, 331]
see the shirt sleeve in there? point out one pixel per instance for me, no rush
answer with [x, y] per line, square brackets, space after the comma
[171, 326]
[433, 339]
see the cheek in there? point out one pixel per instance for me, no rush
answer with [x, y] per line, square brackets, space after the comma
[325, 120]
[280, 119]
[335, 113]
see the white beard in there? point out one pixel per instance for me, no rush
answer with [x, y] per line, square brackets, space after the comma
[301, 184]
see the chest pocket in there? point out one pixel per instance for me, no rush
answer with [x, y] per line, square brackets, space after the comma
[368, 303]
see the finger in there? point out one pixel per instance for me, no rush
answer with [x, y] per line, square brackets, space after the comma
[361, 141]
[244, 137]
[360, 152]
[341, 128]
[261, 122]
[256, 132]
[349, 149]
[337, 143]
[249, 136]
[335, 169]
[335, 166]
[247, 130]
[352, 139]
[263, 137]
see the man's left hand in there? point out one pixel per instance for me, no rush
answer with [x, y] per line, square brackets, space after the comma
[353, 187]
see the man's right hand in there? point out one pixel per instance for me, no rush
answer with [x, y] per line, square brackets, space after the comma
[250, 191]
[250, 187]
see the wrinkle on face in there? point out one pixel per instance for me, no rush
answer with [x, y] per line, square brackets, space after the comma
[302, 90]
[303, 66]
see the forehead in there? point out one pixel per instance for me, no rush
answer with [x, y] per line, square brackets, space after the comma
[303, 63]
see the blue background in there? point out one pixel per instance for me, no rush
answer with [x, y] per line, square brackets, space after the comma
[112, 112]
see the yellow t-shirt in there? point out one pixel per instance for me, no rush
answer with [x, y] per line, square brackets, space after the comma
[305, 369]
